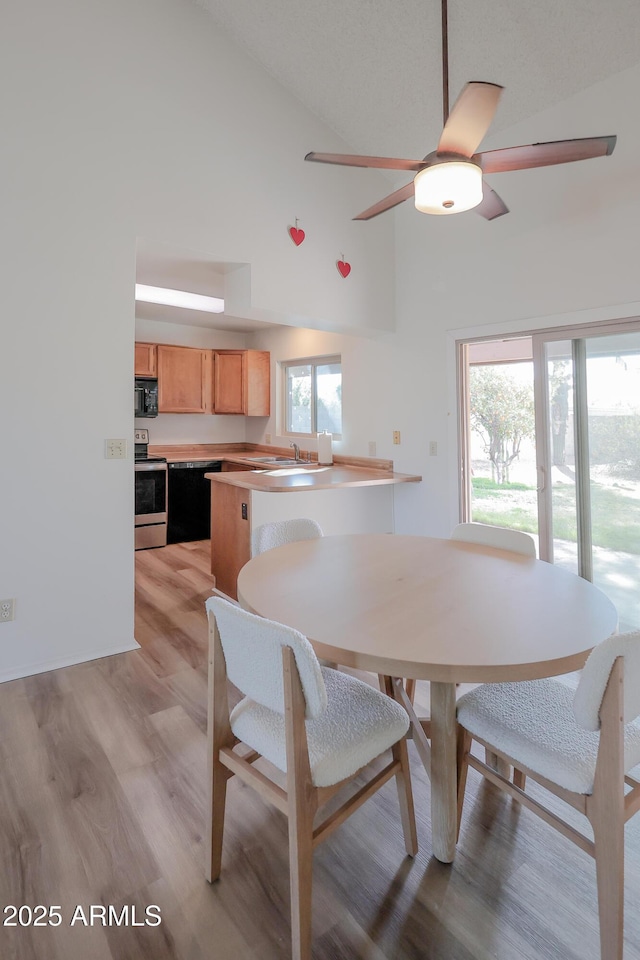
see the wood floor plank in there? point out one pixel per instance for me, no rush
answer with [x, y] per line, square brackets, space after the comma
[102, 800]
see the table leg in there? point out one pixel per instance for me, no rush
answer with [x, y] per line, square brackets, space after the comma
[443, 770]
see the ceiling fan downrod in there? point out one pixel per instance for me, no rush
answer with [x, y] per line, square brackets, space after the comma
[445, 64]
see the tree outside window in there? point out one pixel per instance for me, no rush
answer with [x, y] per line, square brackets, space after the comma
[313, 396]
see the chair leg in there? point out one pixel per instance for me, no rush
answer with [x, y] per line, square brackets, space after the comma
[463, 748]
[215, 820]
[405, 797]
[605, 810]
[302, 805]
[218, 735]
[301, 873]
[608, 832]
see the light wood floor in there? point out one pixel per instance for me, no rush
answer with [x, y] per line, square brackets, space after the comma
[102, 785]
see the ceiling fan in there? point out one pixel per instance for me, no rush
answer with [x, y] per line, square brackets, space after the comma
[450, 179]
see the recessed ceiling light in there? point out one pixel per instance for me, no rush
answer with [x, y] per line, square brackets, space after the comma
[179, 298]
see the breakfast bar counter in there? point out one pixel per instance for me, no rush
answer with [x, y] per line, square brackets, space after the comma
[309, 477]
[343, 498]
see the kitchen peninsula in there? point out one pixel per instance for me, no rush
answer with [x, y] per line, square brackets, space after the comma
[351, 496]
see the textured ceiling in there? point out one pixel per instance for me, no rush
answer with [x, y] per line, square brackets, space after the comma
[371, 69]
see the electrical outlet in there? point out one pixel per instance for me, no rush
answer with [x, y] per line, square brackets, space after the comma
[433, 448]
[7, 610]
[267, 438]
[372, 448]
[396, 436]
[115, 449]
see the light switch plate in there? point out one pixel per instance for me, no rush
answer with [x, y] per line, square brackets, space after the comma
[115, 449]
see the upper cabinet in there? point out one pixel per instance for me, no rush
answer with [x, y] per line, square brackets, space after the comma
[242, 382]
[184, 379]
[192, 380]
[146, 360]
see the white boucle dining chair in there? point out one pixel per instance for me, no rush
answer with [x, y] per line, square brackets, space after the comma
[316, 725]
[491, 536]
[279, 532]
[516, 541]
[580, 747]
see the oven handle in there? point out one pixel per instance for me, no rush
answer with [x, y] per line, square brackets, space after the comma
[150, 466]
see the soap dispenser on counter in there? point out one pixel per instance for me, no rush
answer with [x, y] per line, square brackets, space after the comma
[325, 455]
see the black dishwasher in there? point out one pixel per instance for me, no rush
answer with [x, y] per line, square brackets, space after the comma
[189, 500]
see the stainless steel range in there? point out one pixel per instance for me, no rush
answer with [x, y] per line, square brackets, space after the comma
[150, 495]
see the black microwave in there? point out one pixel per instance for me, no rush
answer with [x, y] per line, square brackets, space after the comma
[146, 397]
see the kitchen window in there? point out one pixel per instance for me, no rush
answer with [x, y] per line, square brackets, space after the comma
[313, 396]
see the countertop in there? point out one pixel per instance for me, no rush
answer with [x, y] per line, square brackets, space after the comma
[283, 479]
[345, 472]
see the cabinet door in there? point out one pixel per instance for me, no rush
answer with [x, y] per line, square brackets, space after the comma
[241, 382]
[184, 380]
[145, 362]
[258, 383]
[229, 381]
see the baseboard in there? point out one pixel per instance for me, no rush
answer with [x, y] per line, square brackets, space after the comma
[46, 665]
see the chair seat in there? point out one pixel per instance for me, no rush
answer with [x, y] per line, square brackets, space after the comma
[358, 725]
[533, 722]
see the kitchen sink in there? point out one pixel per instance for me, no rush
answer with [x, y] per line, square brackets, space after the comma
[283, 460]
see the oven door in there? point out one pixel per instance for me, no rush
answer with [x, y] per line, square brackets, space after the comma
[150, 504]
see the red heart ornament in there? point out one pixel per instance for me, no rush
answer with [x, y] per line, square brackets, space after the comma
[344, 268]
[296, 235]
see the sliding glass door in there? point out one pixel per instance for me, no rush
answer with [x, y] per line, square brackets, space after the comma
[550, 444]
[588, 447]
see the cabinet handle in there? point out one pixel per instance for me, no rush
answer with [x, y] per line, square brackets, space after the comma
[245, 515]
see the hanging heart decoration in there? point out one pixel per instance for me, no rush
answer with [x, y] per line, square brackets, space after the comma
[296, 234]
[344, 268]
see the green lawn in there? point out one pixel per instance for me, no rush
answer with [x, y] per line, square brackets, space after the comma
[615, 514]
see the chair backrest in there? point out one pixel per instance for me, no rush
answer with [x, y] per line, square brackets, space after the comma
[276, 534]
[252, 649]
[514, 540]
[595, 676]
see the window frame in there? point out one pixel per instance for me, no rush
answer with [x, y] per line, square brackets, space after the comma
[314, 363]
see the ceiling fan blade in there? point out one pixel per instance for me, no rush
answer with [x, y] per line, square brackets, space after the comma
[382, 163]
[491, 205]
[544, 154]
[391, 201]
[470, 118]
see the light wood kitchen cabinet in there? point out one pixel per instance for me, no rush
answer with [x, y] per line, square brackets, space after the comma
[242, 382]
[146, 360]
[184, 379]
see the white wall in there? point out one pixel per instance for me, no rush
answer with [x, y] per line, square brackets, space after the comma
[140, 120]
[124, 121]
[196, 427]
[365, 385]
[566, 253]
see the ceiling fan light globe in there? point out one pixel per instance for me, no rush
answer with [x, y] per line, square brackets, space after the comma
[452, 186]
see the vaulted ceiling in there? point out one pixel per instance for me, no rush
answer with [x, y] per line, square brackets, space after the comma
[371, 69]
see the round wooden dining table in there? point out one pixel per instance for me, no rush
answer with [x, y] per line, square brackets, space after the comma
[420, 608]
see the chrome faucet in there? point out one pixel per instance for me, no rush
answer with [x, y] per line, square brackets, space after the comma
[296, 450]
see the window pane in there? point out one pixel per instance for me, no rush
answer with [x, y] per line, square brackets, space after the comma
[501, 444]
[329, 397]
[299, 398]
